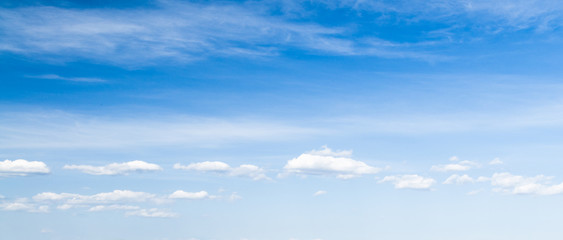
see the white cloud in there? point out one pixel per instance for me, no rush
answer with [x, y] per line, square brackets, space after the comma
[409, 181]
[320, 192]
[234, 196]
[495, 161]
[515, 184]
[458, 166]
[245, 170]
[205, 166]
[16, 206]
[112, 207]
[189, 195]
[153, 212]
[474, 192]
[100, 198]
[328, 162]
[133, 203]
[23, 205]
[21, 167]
[457, 179]
[116, 168]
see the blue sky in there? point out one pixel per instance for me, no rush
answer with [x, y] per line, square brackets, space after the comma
[289, 120]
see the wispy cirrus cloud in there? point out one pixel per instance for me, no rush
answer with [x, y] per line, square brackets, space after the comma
[71, 79]
[495, 15]
[175, 31]
[66, 130]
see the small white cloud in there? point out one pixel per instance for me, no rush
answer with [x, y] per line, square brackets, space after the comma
[153, 212]
[21, 167]
[320, 192]
[234, 196]
[328, 162]
[189, 195]
[16, 206]
[116, 168]
[65, 207]
[474, 192]
[23, 205]
[409, 181]
[495, 161]
[112, 207]
[457, 179]
[207, 166]
[458, 166]
[245, 170]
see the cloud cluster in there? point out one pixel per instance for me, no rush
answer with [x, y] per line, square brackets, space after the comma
[409, 181]
[116, 168]
[118, 200]
[516, 184]
[328, 162]
[21, 167]
[244, 170]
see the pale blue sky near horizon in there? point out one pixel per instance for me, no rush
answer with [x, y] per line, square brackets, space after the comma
[281, 120]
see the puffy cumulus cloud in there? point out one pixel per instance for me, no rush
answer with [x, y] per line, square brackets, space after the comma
[245, 170]
[21, 167]
[459, 179]
[320, 192]
[409, 181]
[457, 166]
[153, 212]
[495, 161]
[516, 184]
[189, 195]
[328, 162]
[116, 168]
